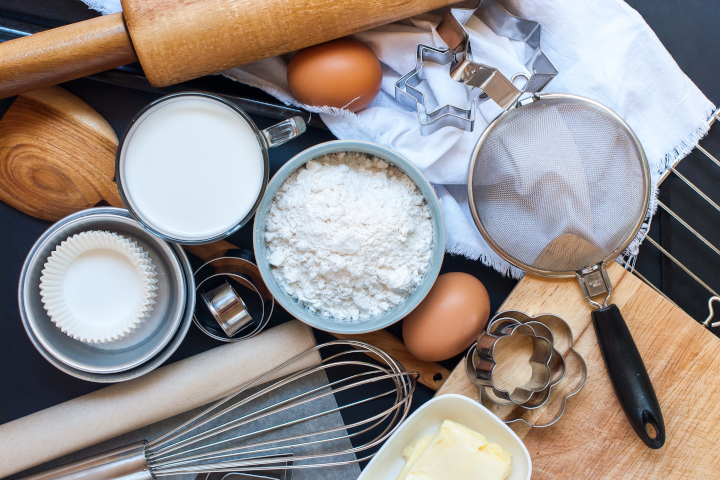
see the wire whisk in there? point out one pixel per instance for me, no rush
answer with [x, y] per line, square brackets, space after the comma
[276, 424]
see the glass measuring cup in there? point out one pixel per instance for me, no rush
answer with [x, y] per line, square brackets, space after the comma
[192, 167]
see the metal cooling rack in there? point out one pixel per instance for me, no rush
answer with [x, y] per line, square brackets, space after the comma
[665, 252]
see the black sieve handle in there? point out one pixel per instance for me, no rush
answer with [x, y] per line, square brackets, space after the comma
[628, 376]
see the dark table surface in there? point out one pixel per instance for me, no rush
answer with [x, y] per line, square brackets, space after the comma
[28, 383]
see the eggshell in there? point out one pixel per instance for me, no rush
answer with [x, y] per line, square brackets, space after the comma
[449, 319]
[341, 73]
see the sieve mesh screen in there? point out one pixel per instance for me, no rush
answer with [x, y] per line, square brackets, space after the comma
[559, 184]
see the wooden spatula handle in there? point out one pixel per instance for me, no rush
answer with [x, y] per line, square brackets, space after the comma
[432, 375]
[63, 54]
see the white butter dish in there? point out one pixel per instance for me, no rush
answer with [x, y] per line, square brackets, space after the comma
[389, 461]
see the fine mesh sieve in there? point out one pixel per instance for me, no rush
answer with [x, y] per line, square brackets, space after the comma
[558, 185]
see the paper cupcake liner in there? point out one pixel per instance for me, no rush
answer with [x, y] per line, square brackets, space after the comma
[98, 323]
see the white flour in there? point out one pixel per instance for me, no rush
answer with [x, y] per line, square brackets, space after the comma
[349, 236]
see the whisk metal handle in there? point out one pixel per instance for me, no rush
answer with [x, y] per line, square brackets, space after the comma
[629, 376]
[124, 463]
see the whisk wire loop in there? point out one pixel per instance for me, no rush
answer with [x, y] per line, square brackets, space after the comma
[250, 461]
[263, 438]
[289, 403]
[167, 454]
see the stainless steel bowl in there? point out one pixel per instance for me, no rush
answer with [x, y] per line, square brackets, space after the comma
[142, 350]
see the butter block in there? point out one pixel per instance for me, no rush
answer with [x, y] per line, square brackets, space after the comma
[455, 452]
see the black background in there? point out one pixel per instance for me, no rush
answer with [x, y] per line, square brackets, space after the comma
[688, 29]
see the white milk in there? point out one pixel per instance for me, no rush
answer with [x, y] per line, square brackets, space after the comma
[192, 168]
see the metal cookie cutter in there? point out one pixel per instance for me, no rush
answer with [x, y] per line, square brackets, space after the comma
[237, 266]
[488, 81]
[573, 380]
[539, 361]
[556, 364]
[226, 306]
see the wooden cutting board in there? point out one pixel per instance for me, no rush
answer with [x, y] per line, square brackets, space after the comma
[593, 439]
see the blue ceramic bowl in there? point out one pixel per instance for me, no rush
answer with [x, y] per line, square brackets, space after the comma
[323, 322]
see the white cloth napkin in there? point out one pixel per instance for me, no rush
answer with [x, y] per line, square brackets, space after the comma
[603, 50]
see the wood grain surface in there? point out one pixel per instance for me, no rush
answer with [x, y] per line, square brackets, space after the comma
[64, 53]
[593, 439]
[178, 41]
[57, 155]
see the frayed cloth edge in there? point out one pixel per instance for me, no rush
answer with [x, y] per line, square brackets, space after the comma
[103, 7]
[473, 253]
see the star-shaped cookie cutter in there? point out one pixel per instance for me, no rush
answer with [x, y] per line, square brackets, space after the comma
[485, 82]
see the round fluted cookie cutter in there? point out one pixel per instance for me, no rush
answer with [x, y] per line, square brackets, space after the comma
[556, 364]
[570, 384]
[238, 265]
[539, 361]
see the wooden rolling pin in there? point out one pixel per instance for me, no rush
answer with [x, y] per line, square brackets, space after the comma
[178, 41]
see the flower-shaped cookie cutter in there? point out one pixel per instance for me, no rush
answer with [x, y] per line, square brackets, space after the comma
[539, 361]
[556, 364]
[573, 380]
[486, 82]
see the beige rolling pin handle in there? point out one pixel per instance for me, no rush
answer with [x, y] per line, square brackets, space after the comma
[63, 54]
[432, 375]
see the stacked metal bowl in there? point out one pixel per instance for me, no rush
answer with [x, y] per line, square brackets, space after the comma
[142, 350]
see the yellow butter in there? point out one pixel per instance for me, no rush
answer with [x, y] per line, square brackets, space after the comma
[455, 452]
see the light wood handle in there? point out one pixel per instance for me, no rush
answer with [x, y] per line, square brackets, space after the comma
[178, 41]
[432, 375]
[209, 250]
[63, 54]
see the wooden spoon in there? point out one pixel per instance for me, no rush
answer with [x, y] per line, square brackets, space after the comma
[57, 155]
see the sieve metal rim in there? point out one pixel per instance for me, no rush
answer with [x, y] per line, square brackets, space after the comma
[478, 222]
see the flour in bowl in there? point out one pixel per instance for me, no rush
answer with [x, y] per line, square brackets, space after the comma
[349, 236]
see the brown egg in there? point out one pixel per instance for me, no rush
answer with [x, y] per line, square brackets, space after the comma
[341, 73]
[449, 319]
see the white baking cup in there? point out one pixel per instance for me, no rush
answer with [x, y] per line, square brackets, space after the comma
[98, 286]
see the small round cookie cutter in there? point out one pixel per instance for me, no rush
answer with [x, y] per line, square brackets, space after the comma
[225, 304]
[226, 307]
[568, 372]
